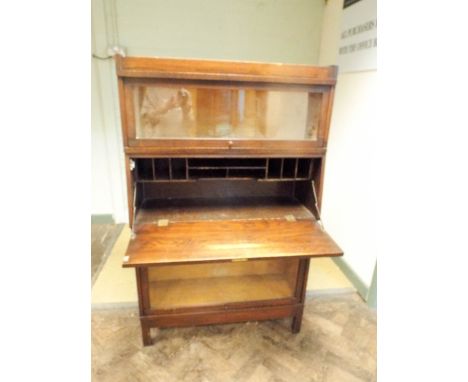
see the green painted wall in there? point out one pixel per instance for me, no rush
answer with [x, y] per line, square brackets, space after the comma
[372, 295]
[286, 31]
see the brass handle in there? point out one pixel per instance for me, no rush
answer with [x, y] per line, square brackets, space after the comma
[230, 143]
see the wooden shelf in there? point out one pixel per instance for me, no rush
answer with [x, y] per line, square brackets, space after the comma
[172, 294]
[177, 169]
[198, 209]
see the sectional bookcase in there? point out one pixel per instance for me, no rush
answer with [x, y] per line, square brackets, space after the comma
[225, 164]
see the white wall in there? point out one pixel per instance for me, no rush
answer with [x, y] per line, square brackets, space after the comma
[349, 197]
[107, 173]
[254, 30]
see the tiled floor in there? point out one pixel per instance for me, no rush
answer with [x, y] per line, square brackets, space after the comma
[337, 343]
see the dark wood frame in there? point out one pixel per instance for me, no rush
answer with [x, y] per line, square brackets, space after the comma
[137, 70]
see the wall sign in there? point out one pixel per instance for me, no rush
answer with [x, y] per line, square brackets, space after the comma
[358, 39]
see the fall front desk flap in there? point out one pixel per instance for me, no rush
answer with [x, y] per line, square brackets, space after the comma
[235, 240]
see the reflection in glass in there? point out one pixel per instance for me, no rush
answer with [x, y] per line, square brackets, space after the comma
[189, 112]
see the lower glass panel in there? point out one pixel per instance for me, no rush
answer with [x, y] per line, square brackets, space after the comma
[178, 286]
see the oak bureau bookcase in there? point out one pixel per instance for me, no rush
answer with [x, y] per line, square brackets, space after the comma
[225, 165]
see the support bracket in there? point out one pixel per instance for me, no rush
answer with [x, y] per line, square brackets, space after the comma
[316, 210]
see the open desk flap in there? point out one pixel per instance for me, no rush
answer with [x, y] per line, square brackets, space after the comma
[234, 240]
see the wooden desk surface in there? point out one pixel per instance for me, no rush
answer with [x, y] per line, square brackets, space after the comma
[233, 240]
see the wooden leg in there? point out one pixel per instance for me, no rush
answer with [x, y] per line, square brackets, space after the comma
[296, 322]
[301, 285]
[145, 333]
[143, 303]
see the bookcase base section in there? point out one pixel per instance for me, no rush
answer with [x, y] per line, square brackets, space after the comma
[220, 293]
[220, 317]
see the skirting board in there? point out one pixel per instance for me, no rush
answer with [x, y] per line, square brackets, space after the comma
[115, 305]
[329, 292]
[102, 219]
[372, 295]
[361, 288]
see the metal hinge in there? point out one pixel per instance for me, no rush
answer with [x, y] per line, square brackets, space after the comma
[316, 208]
[134, 209]
[131, 164]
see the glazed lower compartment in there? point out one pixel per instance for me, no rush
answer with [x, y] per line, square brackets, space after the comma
[221, 292]
[212, 284]
[213, 316]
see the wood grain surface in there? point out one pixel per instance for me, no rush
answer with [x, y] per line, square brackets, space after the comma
[192, 242]
[146, 67]
[198, 209]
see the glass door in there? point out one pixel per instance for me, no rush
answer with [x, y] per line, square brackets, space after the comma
[174, 110]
